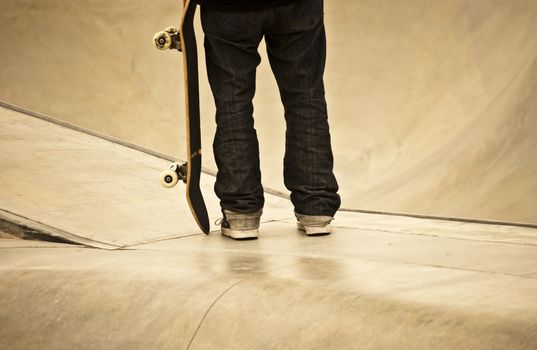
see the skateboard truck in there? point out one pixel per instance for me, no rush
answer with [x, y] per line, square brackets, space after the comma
[168, 39]
[176, 172]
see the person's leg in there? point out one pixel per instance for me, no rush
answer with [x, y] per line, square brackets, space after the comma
[296, 47]
[231, 41]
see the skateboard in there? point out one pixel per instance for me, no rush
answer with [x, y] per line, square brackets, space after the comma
[183, 39]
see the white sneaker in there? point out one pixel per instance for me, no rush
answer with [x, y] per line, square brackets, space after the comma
[314, 225]
[239, 225]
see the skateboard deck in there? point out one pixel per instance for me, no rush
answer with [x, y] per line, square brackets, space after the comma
[184, 40]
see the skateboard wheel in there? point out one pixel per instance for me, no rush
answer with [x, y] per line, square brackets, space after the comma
[169, 178]
[162, 40]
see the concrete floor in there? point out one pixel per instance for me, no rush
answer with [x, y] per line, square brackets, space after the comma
[146, 278]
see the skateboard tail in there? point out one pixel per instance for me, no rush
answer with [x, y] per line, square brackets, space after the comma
[197, 206]
[195, 197]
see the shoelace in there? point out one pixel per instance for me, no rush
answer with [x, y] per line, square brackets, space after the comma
[218, 222]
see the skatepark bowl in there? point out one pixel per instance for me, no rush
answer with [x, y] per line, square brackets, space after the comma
[433, 114]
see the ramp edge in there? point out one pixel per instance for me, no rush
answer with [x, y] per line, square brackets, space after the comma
[271, 191]
[27, 228]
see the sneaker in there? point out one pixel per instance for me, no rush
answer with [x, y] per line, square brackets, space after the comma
[239, 225]
[314, 225]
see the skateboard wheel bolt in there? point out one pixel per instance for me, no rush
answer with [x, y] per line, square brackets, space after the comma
[162, 40]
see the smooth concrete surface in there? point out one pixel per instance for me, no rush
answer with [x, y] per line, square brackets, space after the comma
[432, 105]
[354, 289]
[94, 191]
[146, 278]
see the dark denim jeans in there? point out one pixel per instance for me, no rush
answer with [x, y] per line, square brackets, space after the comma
[296, 47]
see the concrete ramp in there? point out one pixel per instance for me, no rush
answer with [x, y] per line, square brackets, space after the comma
[378, 282]
[91, 190]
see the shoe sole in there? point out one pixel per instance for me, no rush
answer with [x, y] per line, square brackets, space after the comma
[240, 234]
[314, 230]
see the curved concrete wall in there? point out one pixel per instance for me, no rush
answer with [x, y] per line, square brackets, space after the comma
[431, 106]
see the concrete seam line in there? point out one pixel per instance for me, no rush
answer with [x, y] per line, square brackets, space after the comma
[432, 235]
[209, 309]
[97, 134]
[115, 140]
[224, 293]
[158, 240]
[442, 218]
